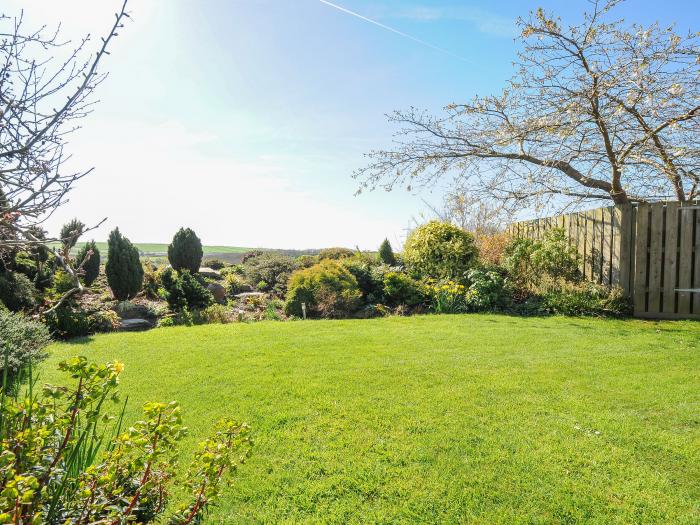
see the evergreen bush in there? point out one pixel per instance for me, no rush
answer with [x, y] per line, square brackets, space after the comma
[386, 253]
[185, 252]
[123, 268]
[91, 266]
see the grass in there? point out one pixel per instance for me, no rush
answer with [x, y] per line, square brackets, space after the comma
[162, 248]
[437, 419]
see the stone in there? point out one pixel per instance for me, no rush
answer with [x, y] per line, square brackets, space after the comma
[218, 291]
[249, 294]
[129, 310]
[135, 325]
[210, 273]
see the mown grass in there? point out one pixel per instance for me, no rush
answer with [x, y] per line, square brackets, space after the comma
[437, 419]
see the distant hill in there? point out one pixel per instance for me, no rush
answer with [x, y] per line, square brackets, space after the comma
[230, 254]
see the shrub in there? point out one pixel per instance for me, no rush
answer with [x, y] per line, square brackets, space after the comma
[487, 289]
[439, 250]
[151, 280]
[62, 282]
[492, 247]
[386, 253]
[306, 261]
[335, 253]
[185, 252]
[185, 291]
[270, 272]
[25, 264]
[234, 269]
[123, 268]
[70, 233]
[235, 284]
[529, 261]
[369, 275]
[555, 257]
[214, 264]
[400, 289]
[22, 344]
[17, 292]
[63, 462]
[90, 264]
[250, 255]
[584, 298]
[68, 322]
[216, 313]
[328, 289]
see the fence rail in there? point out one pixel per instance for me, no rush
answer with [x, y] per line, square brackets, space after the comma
[652, 251]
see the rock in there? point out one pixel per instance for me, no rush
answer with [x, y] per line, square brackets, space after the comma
[135, 325]
[218, 291]
[129, 310]
[249, 294]
[209, 273]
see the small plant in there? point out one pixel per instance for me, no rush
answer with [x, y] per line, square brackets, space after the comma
[88, 259]
[234, 285]
[185, 252]
[57, 465]
[448, 297]
[123, 268]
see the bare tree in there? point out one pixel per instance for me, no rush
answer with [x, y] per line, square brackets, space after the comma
[471, 213]
[42, 100]
[598, 111]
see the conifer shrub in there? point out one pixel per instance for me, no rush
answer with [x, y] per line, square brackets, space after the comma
[185, 252]
[386, 253]
[89, 258]
[17, 292]
[123, 268]
[185, 291]
[70, 233]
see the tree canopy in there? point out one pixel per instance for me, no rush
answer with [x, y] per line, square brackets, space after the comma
[603, 110]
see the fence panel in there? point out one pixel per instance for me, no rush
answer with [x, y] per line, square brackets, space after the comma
[652, 251]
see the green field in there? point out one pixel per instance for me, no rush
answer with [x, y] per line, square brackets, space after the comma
[162, 248]
[437, 419]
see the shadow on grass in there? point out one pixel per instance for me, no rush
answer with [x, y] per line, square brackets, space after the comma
[79, 340]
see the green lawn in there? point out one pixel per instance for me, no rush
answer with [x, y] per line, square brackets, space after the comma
[437, 419]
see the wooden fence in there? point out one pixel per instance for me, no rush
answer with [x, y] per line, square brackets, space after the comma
[652, 251]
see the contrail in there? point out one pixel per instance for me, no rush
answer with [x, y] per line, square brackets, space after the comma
[401, 33]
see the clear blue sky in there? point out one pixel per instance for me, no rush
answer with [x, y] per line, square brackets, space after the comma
[245, 119]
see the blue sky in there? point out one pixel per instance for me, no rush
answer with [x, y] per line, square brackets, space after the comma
[244, 119]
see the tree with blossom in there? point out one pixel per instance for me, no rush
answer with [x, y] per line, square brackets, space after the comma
[600, 111]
